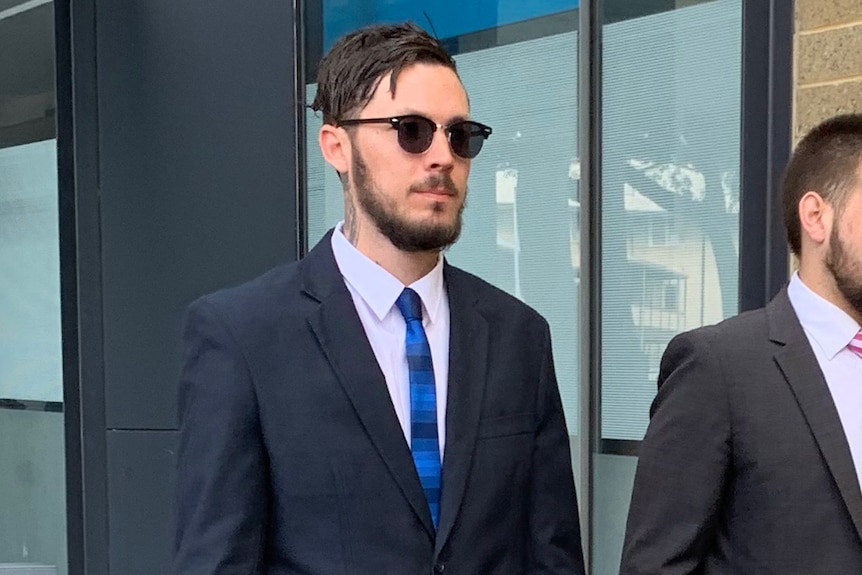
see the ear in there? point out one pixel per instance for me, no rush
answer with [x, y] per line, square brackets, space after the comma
[335, 147]
[815, 217]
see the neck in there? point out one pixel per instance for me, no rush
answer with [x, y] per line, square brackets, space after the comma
[407, 267]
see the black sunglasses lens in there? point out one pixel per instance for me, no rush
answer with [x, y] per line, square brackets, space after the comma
[466, 139]
[415, 134]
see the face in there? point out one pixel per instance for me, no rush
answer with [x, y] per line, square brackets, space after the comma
[843, 257]
[415, 200]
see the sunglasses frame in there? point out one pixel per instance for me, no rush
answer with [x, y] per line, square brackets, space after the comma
[395, 122]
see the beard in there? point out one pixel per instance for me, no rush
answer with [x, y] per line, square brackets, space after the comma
[406, 235]
[842, 267]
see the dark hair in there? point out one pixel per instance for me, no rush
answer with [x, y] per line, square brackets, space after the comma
[350, 72]
[825, 161]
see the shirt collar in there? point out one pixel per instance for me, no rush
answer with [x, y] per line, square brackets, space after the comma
[826, 324]
[379, 288]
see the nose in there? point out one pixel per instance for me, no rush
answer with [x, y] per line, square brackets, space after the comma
[439, 156]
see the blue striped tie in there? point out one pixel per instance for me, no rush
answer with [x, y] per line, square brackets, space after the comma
[423, 401]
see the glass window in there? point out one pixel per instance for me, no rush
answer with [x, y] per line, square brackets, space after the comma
[518, 61]
[450, 19]
[32, 474]
[669, 216]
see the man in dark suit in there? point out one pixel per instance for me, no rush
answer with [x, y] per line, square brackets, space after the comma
[752, 461]
[372, 409]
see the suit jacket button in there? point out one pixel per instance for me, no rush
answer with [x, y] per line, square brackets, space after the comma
[439, 567]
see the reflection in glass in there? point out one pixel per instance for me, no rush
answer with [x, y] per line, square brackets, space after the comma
[30, 357]
[521, 231]
[670, 216]
[670, 204]
[32, 490]
[32, 455]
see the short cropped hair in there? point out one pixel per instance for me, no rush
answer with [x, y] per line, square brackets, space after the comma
[825, 161]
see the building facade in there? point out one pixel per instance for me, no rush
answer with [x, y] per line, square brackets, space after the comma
[151, 152]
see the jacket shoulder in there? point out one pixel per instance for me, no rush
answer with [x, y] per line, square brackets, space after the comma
[493, 301]
[257, 299]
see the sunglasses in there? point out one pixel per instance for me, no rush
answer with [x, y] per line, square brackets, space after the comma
[415, 133]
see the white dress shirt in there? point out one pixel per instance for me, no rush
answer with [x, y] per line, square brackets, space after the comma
[374, 291]
[829, 330]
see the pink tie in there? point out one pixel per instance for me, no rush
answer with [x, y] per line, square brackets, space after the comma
[855, 344]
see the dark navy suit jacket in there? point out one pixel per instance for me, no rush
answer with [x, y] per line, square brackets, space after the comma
[292, 461]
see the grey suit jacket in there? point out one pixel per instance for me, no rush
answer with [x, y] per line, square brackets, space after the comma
[745, 468]
[292, 461]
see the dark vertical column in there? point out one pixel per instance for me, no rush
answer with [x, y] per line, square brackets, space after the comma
[767, 107]
[179, 158]
[81, 287]
[589, 296]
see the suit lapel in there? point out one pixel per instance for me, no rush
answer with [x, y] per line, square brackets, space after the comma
[802, 372]
[468, 357]
[339, 331]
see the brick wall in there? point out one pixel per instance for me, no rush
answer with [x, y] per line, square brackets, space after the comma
[828, 61]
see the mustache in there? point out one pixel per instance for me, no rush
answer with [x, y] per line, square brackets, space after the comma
[442, 181]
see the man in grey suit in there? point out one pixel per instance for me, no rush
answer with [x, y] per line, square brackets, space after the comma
[752, 461]
[371, 409]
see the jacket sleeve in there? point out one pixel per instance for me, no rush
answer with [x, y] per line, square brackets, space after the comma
[684, 463]
[221, 485]
[555, 535]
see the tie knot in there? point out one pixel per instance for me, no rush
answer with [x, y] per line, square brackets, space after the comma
[855, 344]
[410, 305]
